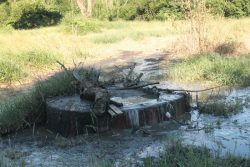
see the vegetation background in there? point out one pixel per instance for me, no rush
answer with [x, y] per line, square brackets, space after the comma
[25, 14]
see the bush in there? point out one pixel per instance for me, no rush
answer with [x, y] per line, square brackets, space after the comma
[4, 13]
[149, 10]
[217, 7]
[237, 8]
[230, 8]
[2, 1]
[128, 12]
[81, 26]
[30, 14]
[26, 15]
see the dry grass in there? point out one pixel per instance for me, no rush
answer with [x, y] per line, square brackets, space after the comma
[115, 38]
[231, 48]
[204, 33]
[81, 48]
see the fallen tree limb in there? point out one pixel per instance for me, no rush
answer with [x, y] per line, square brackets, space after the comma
[139, 86]
[117, 104]
[186, 90]
[63, 66]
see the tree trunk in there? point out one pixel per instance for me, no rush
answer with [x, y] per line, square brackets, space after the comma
[85, 12]
[81, 6]
[90, 7]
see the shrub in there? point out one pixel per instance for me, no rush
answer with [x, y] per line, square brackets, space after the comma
[128, 12]
[81, 26]
[149, 10]
[217, 7]
[4, 13]
[237, 8]
[230, 8]
[26, 15]
[2, 1]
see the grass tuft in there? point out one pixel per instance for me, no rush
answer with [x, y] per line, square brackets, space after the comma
[221, 108]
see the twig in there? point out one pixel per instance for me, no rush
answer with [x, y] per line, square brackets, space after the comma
[63, 66]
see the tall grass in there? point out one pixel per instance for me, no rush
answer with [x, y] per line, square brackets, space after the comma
[17, 66]
[37, 58]
[221, 108]
[213, 68]
[10, 71]
[204, 33]
[108, 38]
[29, 108]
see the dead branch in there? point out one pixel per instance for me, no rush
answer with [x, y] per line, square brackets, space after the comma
[63, 66]
[139, 86]
[186, 90]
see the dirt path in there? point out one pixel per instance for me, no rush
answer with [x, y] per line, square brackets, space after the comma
[118, 54]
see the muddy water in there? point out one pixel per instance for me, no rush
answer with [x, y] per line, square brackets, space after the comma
[41, 147]
[227, 134]
[220, 134]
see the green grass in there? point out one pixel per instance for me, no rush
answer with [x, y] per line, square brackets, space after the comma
[25, 109]
[179, 155]
[107, 38]
[117, 36]
[213, 68]
[10, 71]
[17, 66]
[221, 108]
[37, 58]
[84, 26]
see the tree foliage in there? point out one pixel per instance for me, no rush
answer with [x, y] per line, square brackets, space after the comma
[37, 13]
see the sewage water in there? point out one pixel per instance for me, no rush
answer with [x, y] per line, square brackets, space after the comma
[42, 148]
[230, 135]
